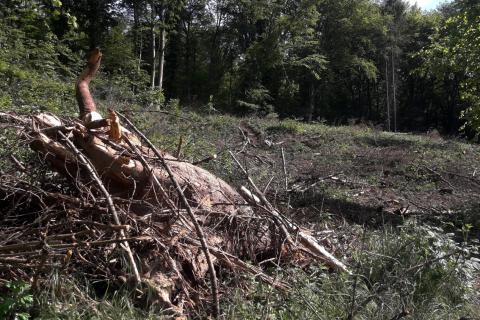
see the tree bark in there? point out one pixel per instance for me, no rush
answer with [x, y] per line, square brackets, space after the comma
[187, 61]
[154, 47]
[161, 63]
[82, 91]
[138, 34]
[388, 96]
[136, 24]
[394, 93]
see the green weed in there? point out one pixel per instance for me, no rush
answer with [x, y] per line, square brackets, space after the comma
[16, 300]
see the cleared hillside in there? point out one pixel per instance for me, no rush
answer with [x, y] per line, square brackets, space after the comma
[401, 210]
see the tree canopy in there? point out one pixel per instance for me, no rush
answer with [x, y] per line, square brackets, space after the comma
[338, 61]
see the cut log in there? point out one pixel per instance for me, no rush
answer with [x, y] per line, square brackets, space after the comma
[85, 100]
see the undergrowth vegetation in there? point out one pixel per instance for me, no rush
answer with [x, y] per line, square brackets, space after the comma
[402, 210]
[411, 270]
[397, 272]
[423, 266]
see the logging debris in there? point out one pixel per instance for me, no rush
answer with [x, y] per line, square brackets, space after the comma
[131, 221]
[102, 201]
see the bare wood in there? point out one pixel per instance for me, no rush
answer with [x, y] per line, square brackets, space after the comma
[18, 163]
[23, 254]
[99, 242]
[8, 117]
[38, 244]
[53, 130]
[198, 228]
[114, 227]
[275, 214]
[22, 246]
[249, 196]
[164, 194]
[95, 124]
[207, 159]
[111, 206]
[82, 91]
[179, 147]
[232, 262]
[69, 235]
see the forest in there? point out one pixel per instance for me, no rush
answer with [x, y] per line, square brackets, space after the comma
[385, 63]
[239, 159]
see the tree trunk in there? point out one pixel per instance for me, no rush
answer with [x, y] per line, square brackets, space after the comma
[161, 63]
[138, 35]
[394, 94]
[388, 97]
[136, 24]
[311, 104]
[140, 50]
[85, 101]
[137, 40]
[162, 45]
[154, 47]
[369, 101]
[377, 101]
[187, 61]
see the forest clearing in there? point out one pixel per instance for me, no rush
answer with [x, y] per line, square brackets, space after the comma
[251, 160]
[379, 197]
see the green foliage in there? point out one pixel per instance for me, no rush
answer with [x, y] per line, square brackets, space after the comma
[329, 59]
[392, 276]
[70, 299]
[286, 126]
[257, 101]
[367, 68]
[16, 300]
[153, 99]
[454, 53]
[118, 52]
[31, 67]
[314, 64]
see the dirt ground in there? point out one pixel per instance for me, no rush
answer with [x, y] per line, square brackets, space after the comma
[356, 172]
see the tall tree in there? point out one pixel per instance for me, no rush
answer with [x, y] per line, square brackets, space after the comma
[396, 10]
[453, 58]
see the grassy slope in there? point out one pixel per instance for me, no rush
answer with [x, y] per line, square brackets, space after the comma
[380, 192]
[356, 168]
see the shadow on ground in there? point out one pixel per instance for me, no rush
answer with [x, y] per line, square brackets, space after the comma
[373, 215]
[401, 143]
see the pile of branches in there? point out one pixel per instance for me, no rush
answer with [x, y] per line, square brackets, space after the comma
[102, 201]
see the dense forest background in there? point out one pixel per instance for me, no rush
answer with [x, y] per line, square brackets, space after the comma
[339, 61]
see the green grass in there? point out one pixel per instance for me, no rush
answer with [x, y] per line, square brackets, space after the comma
[67, 298]
[391, 276]
[384, 257]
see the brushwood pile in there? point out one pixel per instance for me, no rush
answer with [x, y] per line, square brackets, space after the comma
[99, 200]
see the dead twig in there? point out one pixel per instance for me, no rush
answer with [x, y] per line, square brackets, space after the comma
[207, 159]
[287, 227]
[441, 177]
[164, 194]
[285, 176]
[93, 173]
[18, 163]
[179, 147]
